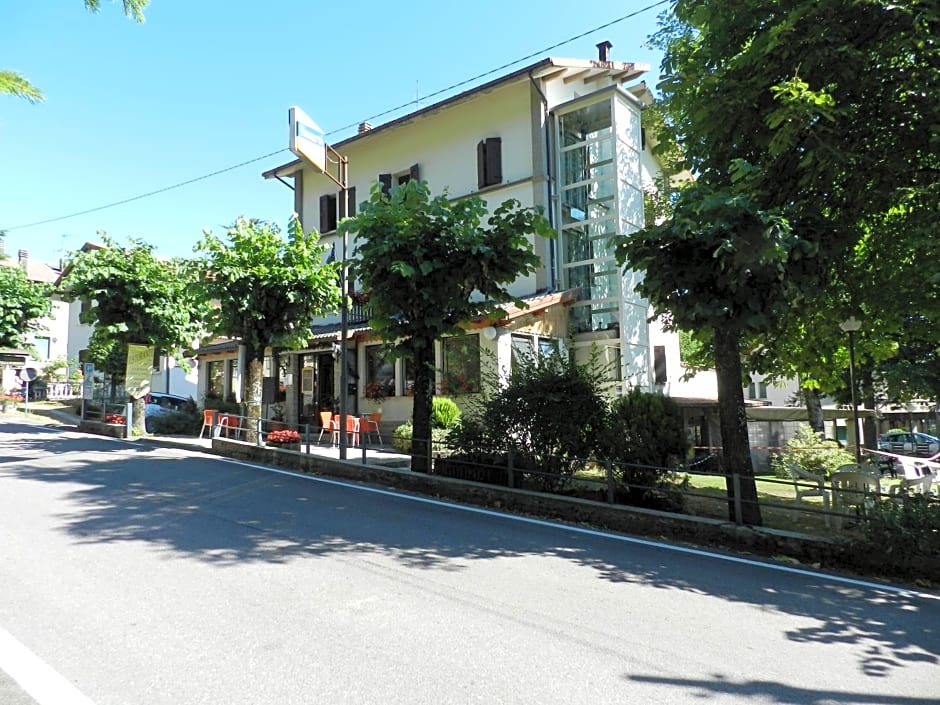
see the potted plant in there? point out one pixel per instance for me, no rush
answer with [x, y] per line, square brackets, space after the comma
[287, 439]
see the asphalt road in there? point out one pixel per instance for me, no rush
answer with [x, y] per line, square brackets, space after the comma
[135, 574]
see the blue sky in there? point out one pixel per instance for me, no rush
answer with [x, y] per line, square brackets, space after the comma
[205, 85]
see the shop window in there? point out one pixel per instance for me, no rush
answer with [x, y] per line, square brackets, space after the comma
[215, 378]
[380, 372]
[461, 373]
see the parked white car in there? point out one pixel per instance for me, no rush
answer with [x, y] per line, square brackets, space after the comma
[909, 443]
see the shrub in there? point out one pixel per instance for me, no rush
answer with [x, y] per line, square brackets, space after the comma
[283, 437]
[226, 406]
[645, 437]
[401, 440]
[903, 532]
[444, 413]
[808, 450]
[547, 415]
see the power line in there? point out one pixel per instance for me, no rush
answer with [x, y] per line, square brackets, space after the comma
[145, 195]
[504, 66]
[344, 127]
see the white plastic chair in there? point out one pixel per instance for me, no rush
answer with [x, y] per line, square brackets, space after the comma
[807, 484]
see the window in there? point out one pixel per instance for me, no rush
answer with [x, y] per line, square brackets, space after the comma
[408, 365]
[333, 207]
[85, 306]
[461, 365]
[380, 372]
[389, 181]
[527, 346]
[489, 162]
[215, 378]
[659, 364]
[42, 348]
[327, 213]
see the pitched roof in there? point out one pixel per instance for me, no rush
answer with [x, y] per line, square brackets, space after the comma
[568, 69]
[35, 271]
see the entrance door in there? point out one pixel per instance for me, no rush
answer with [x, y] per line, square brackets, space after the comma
[326, 383]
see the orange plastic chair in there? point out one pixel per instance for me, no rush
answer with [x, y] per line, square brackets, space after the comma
[369, 424]
[207, 418]
[326, 425]
[352, 428]
[230, 424]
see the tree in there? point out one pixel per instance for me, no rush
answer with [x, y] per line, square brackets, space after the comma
[265, 290]
[139, 299]
[815, 112]
[430, 266]
[717, 266]
[14, 84]
[22, 304]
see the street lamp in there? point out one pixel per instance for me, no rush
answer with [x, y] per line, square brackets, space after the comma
[850, 326]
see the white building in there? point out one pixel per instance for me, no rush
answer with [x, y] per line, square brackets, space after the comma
[50, 341]
[561, 134]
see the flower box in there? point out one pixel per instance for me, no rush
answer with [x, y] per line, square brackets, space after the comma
[287, 439]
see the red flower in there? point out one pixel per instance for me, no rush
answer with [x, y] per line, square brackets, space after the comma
[115, 418]
[283, 437]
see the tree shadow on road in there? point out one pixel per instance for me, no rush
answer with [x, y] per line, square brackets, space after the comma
[224, 514]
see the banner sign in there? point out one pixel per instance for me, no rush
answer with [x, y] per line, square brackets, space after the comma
[139, 367]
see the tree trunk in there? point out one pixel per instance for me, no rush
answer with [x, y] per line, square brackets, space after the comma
[139, 411]
[253, 402]
[736, 448]
[422, 400]
[814, 409]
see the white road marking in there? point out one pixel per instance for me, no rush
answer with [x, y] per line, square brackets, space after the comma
[35, 676]
[841, 579]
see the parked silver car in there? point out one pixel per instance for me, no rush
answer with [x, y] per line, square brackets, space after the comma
[909, 443]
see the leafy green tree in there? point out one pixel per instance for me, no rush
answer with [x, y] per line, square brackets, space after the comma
[14, 84]
[139, 299]
[717, 266]
[815, 111]
[22, 304]
[430, 266]
[265, 290]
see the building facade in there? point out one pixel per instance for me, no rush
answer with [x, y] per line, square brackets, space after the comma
[562, 135]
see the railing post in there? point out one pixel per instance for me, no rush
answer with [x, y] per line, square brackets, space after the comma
[258, 439]
[129, 418]
[609, 471]
[736, 485]
[307, 437]
[510, 471]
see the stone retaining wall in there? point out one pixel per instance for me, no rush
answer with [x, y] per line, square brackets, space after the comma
[814, 551]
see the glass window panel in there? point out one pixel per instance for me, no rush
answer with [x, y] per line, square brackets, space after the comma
[215, 378]
[549, 346]
[461, 365]
[598, 280]
[628, 122]
[590, 161]
[380, 372]
[521, 349]
[408, 366]
[587, 123]
[589, 241]
[594, 317]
